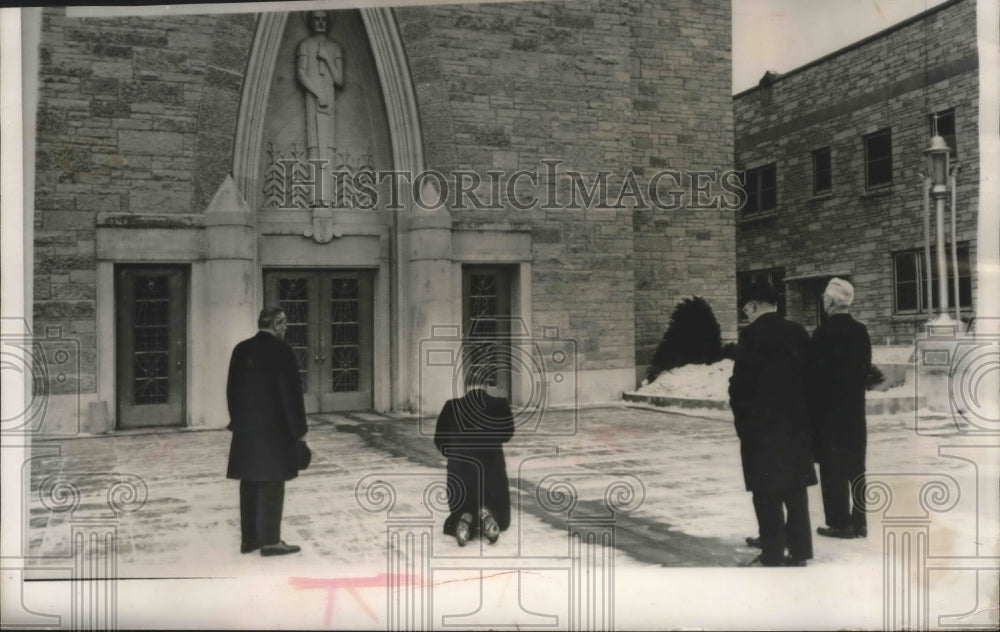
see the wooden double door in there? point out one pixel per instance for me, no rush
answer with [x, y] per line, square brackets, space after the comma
[330, 328]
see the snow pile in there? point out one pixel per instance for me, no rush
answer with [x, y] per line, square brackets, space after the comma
[892, 355]
[693, 381]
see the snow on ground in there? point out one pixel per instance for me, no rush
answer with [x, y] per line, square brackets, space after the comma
[892, 354]
[903, 390]
[711, 381]
[693, 381]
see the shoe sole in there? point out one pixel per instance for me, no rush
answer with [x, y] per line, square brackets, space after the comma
[275, 552]
[839, 536]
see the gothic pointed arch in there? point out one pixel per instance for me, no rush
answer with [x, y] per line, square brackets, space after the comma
[393, 79]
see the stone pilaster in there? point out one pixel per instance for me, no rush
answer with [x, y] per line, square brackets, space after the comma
[229, 305]
[432, 304]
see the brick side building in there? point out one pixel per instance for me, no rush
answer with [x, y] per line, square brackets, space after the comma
[169, 204]
[834, 152]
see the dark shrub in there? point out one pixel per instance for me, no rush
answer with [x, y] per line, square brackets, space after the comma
[875, 377]
[692, 337]
[729, 351]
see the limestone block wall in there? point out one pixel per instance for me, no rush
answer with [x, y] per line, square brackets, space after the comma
[894, 80]
[599, 86]
[138, 115]
[135, 116]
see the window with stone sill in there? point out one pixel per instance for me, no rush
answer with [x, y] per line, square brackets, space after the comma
[761, 187]
[822, 169]
[910, 280]
[878, 159]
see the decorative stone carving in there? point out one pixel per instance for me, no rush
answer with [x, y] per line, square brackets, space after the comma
[288, 181]
[319, 67]
[323, 229]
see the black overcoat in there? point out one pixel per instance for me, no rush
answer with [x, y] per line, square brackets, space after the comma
[470, 432]
[768, 398]
[266, 411]
[839, 359]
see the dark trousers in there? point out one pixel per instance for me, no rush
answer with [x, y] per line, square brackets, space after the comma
[777, 531]
[840, 511]
[261, 504]
[474, 483]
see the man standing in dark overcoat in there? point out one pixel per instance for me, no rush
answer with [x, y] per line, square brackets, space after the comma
[840, 358]
[267, 419]
[767, 395]
[470, 433]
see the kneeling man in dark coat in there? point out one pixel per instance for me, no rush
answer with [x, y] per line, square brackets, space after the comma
[470, 432]
[767, 395]
[268, 419]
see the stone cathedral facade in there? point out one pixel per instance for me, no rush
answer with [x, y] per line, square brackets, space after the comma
[193, 168]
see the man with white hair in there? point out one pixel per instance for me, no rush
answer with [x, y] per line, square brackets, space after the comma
[839, 360]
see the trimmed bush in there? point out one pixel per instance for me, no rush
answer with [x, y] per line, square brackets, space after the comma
[693, 336]
[729, 351]
[875, 377]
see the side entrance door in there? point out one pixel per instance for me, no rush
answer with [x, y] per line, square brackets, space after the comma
[486, 307]
[330, 322]
[151, 310]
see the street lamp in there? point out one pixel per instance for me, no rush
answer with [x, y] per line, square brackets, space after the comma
[938, 157]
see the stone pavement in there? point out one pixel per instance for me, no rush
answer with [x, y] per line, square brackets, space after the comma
[678, 532]
[675, 478]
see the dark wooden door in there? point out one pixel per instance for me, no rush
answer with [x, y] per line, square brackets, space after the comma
[330, 328]
[486, 307]
[151, 313]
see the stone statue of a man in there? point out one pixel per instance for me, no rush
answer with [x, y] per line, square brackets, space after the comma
[319, 64]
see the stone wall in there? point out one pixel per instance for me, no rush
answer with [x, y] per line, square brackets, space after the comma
[138, 115]
[597, 85]
[135, 116]
[893, 80]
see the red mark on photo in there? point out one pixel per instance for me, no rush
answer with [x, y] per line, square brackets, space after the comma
[351, 585]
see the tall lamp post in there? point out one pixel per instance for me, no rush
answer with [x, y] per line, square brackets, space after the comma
[938, 156]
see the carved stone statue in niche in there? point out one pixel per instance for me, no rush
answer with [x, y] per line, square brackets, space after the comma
[319, 66]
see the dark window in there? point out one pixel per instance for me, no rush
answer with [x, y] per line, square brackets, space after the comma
[944, 126]
[152, 344]
[822, 171]
[345, 334]
[745, 280]
[878, 159]
[293, 299]
[910, 280]
[761, 188]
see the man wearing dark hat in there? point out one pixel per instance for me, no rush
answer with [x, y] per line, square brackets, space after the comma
[840, 358]
[767, 395]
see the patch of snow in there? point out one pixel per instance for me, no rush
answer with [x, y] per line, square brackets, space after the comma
[903, 390]
[900, 354]
[693, 381]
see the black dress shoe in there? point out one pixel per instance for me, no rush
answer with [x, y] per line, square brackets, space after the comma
[862, 532]
[279, 549]
[794, 561]
[248, 547]
[488, 525]
[463, 530]
[754, 543]
[836, 532]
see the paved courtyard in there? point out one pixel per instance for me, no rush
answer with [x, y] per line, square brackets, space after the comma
[674, 480]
